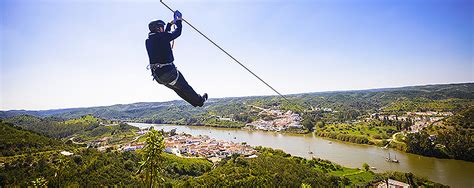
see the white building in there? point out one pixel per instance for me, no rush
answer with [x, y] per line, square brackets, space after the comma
[392, 184]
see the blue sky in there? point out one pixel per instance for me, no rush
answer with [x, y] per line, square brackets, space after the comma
[60, 54]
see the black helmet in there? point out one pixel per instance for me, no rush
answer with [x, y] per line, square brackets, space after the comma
[156, 24]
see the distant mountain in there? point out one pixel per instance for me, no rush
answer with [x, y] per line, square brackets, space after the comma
[445, 97]
[40, 113]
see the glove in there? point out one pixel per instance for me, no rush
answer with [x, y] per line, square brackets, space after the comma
[177, 15]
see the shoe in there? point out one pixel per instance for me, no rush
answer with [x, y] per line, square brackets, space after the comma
[205, 97]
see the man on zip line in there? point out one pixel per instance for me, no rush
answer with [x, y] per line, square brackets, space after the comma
[161, 59]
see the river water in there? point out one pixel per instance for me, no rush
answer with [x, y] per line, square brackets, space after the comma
[455, 173]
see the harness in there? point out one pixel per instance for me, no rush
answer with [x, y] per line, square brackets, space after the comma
[155, 66]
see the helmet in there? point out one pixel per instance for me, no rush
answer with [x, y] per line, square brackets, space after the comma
[156, 24]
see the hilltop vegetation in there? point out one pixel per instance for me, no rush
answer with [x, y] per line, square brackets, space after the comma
[346, 105]
[424, 104]
[53, 127]
[86, 127]
[15, 141]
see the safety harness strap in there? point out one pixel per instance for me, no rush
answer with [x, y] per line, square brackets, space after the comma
[175, 80]
[154, 66]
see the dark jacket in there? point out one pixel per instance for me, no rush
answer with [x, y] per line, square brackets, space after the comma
[158, 44]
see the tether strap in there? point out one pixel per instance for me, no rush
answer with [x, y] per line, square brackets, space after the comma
[172, 42]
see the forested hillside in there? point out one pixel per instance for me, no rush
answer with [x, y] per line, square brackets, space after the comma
[87, 125]
[346, 105]
[15, 141]
[452, 139]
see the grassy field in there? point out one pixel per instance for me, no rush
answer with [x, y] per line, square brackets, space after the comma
[377, 135]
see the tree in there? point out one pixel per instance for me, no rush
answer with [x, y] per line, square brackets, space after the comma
[151, 161]
[308, 123]
[366, 166]
[40, 182]
[321, 124]
[173, 132]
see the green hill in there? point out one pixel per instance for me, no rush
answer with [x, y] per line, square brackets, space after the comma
[453, 139]
[15, 140]
[86, 127]
[52, 127]
[348, 104]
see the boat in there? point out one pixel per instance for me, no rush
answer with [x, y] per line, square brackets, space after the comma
[373, 168]
[310, 152]
[394, 160]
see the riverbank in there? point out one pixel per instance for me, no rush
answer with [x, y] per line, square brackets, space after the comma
[366, 133]
[235, 155]
[277, 168]
[455, 173]
[356, 139]
[230, 126]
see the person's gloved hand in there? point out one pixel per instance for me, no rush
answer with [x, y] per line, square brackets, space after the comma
[177, 15]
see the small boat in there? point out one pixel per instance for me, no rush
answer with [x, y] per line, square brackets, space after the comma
[394, 160]
[310, 152]
[330, 142]
[373, 168]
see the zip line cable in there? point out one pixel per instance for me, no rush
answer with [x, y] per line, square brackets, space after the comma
[232, 57]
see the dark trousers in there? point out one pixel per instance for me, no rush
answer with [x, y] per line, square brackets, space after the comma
[167, 74]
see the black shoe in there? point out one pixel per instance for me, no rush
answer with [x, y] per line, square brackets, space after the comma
[204, 97]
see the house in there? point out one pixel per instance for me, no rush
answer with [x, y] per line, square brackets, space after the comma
[173, 150]
[142, 132]
[392, 184]
[66, 153]
[226, 119]
[132, 148]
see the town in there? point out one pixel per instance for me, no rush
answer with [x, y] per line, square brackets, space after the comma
[276, 120]
[187, 145]
[182, 145]
[419, 120]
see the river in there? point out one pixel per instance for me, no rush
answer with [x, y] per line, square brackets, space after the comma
[455, 173]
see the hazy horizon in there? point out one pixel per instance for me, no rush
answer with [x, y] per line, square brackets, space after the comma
[67, 54]
[362, 89]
